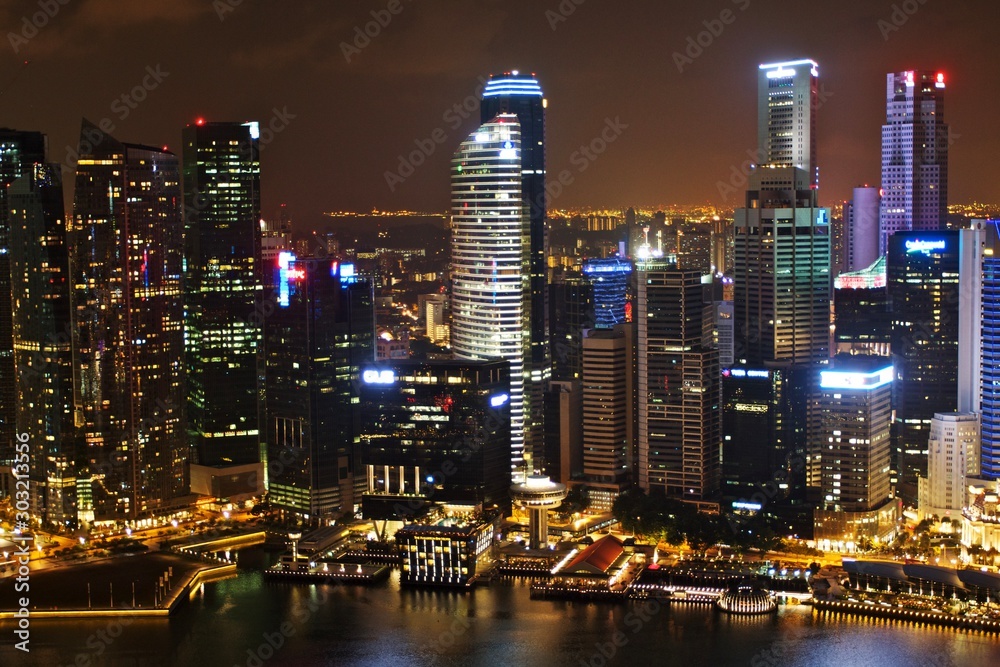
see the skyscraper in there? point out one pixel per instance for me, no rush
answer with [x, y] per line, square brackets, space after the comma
[126, 242]
[610, 277]
[490, 244]
[923, 290]
[521, 95]
[787, 100]
[680, 430]
[851, 436]
[783, 288]
[952, 457]
[990, 365]
[319, 331]
[43, 356]
[782, 275]
[914, 155]
[862, 228]
[222, 290]
[18, 152]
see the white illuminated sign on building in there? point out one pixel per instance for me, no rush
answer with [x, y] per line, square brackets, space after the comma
[379, 377]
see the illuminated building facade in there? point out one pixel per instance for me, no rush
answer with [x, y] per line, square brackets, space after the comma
[679, 394]
[861, 311]
[127, 251]
[914, 155]
[490, 243]
[318, 334]
[754, 441]
[610, 278]
[521, 95]
[434, 431]
[222, 290]
[43, 355]
[990, 365]
[787, 101]
[572, 311]
[18, 152]
[923, 288]
[448, 550]
[952, 458]
[851, 435]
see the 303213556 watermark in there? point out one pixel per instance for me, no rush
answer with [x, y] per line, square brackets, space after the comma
[22, 555]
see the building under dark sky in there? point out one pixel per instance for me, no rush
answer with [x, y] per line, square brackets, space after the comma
[412, 90]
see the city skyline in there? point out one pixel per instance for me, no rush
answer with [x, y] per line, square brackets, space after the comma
[636, 91]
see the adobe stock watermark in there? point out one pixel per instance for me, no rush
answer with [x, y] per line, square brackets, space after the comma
[452, 118]
[898, 17]
[696, 44]
[22, 556]
[562, 12]
[31, 25]
[636, 619]
[363, 35]
[583, 157]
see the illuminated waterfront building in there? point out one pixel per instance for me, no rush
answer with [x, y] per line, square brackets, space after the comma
[318, 334]
[126, 244]
[850, 433]
[18, 152]
[222, 283]
[490, 243]
[923, 290]
[450, 548]
[520, 94]
[433, 432]
[914, 155]
[43, 355]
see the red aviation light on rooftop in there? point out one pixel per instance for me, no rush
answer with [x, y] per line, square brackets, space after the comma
[940, 80]
[199, 122]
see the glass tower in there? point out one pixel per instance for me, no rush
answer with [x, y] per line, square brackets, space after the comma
[990, 398]
[610, 278]
[126, 242]
[222, 290]
[490, 244]
[786, 116]
[914, 155]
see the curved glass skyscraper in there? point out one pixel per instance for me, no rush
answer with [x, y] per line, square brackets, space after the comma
[491, 300]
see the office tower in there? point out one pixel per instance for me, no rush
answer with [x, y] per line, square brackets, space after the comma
[922, 277]
[787, 100]
[851, 435]
[754, 441]
[724, 336]
[722, 246]
[519, 94]
[952, 457]
[607, 414]
[610, 279]
[18, 152]
[43, 355]
[989, 398]
[782, 276]
[491, 297]
[977, 244]
[434, 308]
[863, 323]
[573, 310]
[679, 393]
[838, 241]
[563, 452]
[434, 432]
[914, 155]
[319, 332]
[862, 229]
[126, 262]
[222, 290]
[694, 248]
[276, 235]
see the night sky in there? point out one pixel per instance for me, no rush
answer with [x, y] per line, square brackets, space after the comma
[345, 123]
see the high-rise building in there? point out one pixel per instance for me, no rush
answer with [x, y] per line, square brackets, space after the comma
[127, 252]
[694, 248]
[914, 155]
[851, 436]
[952, 458]
[724, 336]
[317, 336]
[43, 355]
[989, 397]
[563, 431]
[434, 432]
[610, 278]
[607, 414]
[861, 311]
[787, 101]
[923, 288]
[521, 95]
[573, 311]
[679, 396]
[18, 152]
[491, 296]
[783, 287]
[222, 285]
[862, 229]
